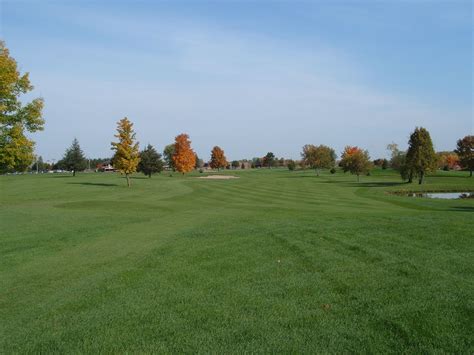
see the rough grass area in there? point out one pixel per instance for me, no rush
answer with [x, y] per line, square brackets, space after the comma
[275, 261]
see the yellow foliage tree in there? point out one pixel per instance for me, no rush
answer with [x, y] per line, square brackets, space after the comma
[17, 117]
[127, 155]
[184, 158]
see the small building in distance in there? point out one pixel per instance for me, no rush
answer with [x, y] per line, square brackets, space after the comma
[105, 167]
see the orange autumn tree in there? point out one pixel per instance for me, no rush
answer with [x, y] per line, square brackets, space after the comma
[184, 158]
[126, 156]
[218, 159]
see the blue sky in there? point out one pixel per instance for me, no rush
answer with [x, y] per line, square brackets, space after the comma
[249, 76]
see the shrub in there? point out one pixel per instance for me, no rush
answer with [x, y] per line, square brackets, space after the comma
[291, 165]
[332, 171]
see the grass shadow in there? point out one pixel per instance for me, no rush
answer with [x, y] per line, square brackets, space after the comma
[92, 184]
[374, 184]
[463, 209]
[61, 176]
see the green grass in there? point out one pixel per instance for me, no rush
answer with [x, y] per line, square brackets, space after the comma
[275, 261]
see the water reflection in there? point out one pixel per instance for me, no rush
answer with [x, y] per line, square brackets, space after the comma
[443, 195]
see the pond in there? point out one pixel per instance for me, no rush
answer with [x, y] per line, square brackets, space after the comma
[443, 195]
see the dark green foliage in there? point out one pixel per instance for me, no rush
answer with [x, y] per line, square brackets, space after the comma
[421, 157]
[150, 161]
[256, 163]
[39, 165]
[465, 151]
[291, 165]
[235, 164]
[73, 159]
[382, 163]
[269, 160]
[168, 156]
[332, 171]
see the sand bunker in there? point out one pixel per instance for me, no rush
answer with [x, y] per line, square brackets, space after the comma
[218, 177]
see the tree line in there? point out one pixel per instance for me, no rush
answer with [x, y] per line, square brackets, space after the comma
[17, 119]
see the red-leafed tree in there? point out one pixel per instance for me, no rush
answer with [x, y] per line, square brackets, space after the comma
[218, 159]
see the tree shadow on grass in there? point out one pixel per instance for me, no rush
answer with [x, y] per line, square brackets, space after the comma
[374, 184]
[61, 176]
[92, 184]
[463, 208]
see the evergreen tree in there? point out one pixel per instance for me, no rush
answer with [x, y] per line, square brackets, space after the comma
[168, 156]
[421, 157]
[73, 159]
[150, 161]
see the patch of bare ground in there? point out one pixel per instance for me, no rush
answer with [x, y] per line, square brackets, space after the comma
[218, 177]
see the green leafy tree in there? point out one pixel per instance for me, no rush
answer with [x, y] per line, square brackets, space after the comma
[398, 162]
[235, 164]
[356, 161]
[465, 152]
[16, 117]
[421, 157]
[73, 159]
[256, 163]
[168, 153]
[150, 161]
[39, 164]
[269, 160]
[319, 157]
[291, 165]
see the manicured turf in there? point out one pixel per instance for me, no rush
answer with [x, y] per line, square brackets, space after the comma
[275, 261]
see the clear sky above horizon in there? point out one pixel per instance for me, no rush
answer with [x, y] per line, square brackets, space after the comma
[249, 76]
